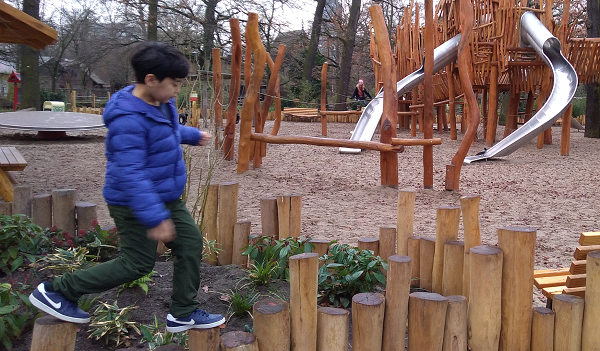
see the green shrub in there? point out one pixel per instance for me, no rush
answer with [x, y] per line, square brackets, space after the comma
[579, 107]
[20, 239]
[154, 337]
[15, 310]
[141, 282]
[241, 302]
[101, 243]
[112, 323]
[265, 251]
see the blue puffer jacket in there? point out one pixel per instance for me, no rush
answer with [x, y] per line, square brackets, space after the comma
[145, 167]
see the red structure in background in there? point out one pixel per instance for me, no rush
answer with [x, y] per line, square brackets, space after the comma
[15, 78]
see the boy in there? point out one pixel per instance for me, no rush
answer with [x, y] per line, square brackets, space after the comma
[145, 178]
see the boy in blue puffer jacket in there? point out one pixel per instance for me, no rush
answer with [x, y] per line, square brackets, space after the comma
[145, 178]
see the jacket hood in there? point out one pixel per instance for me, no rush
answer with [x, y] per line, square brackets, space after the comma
[123, 102]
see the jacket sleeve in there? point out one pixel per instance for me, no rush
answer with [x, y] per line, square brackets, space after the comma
[128, 146]
[367, 93]
[190, 135]
[354, 94]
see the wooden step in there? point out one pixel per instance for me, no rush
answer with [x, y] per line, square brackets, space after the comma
[578, 267]
[546, 282]
[575, 281]
[550, 272]
[589, 238]
[551, 291]
[575, 291]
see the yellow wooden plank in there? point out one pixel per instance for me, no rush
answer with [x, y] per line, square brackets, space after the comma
[6, 187]
[546, 282]
[575, 291]
[550, 272]
[578, 267]
[575, 281]
[551, 291]
[589, 238]
[582, 251]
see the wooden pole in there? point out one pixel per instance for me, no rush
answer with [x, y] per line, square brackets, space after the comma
[369, 244]
[252, 89]
[388, 160]
[426, 321]
[454, 253]
[21, 203]
[303, 301]
[63, 209]
[51, 334]
[565, 138]
[405, 219]
[333, 329]
[293, 139]
[429, 43]
[396, 304]
[241, 234]
[455, 331]
[426, 254]
[324, 99]
[469, 205]
[484, 316]
[542, 329]
[591, 319]
[448, 219]
[204, 339]
[414, 253]
[295, 215]
[367, 321]
[283, 216]
[228, 199]
[269, 217]
[217, 94]
[238, 341]
[518, 247]
[568, 322]
[492, 122]
[85, 213]
[272, 324]
[387, 242]
[234, 88]
[41, 210]
[210, 228]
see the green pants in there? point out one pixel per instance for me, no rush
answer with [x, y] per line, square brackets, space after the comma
[138, 254]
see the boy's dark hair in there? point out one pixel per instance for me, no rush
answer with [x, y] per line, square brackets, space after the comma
[160, 59]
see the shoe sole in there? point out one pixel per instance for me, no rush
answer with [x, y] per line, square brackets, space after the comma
[195, 326]
[40, 305]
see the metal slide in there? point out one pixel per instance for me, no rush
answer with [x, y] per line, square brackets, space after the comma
[535, 34]
[443, 55]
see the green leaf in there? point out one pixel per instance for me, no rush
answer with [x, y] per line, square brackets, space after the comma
[380, 277]
[13, 252]
[345, 302]
[8, 309]
[17, 263]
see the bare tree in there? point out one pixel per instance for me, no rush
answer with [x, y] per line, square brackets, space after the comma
[30, 76]
[315, 36]
[346, 64]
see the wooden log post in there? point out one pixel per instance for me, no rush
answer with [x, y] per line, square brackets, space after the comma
[469, 205]
[321, 246]
[272, 324]
[228, 200]
[428, 43]
[396, 304]
[170, 347]
[234, 88]
[451, 101]
[492, 121]
[269, 217]
[210, 227]
[565, 136]
[387, 242]
[388, 160]
[454, 254]
[414, 252]
[85, 213]
[41, 210]
[484, 312]
[306, 140]
[238, 341]
[21, 203]
[368, 311]
[426, 254]
[455, 330]
[518, 247]
[568, 322]
[6, 209]
[241, 234]
[252, 90]
[542, 329]
[204, 339]
[63, 209]
[324, 99]
[405, 219]
[303, 301]
[426, 321]
[590, 339]
[448, 219]
[333, 329]
[369, 244]
[289, 214]
[52, 334]
[217, 94]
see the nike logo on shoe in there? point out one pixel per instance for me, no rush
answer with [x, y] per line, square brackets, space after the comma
[42, 290]
[173, 319]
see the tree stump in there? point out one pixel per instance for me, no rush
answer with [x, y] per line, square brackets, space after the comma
[228, 199]
[568, 322]
[41, 210]
[455, 330]
[63, 209]
[542, 329]
[52, 334]
[333, 329]
[272, 324]
[426, 320]
[85, 213]
[367, 321]
[204, 339]
[239, 341]
[396, 304]
[405, 220]
[268, 217]
[241, 234]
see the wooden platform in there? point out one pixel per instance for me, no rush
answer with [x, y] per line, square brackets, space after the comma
[10, 160]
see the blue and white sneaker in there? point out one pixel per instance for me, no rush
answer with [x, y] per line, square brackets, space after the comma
[57, 305]
[198, 319]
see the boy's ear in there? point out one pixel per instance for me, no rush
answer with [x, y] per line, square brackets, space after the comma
[150, 80]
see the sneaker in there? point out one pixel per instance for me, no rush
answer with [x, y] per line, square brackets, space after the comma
[199, 319]
[57, 305]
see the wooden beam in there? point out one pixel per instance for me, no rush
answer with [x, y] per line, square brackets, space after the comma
[589, 238]
[306, 140]
[582, 251]
[416, 142]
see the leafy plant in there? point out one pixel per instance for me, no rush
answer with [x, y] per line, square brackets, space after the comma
[241, 302]
[102, 243]
[141, 282]
[69, 260]
[20, 239]
[87, 302]
[264, 251]
[15, 310]
[113, 324]
[153, 335]
[348, 271]
[261, 273]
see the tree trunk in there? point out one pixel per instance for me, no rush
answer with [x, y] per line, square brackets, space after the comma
[209, 26]
[313, 47]
[346, 64]
[30, 75]
[592, 107]
[152, 20]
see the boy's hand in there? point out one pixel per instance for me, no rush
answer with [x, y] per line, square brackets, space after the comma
[204, 138]
[164, 232]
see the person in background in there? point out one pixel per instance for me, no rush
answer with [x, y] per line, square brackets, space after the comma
[360, 94]
[145, 178]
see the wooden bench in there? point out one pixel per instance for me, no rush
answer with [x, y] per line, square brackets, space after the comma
[299, 114]
[10, 160]
[570, 281]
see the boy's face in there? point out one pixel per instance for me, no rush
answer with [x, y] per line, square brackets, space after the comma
[163, 91]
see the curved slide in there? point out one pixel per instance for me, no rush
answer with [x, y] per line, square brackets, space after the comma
[535, 34]
[443, 55]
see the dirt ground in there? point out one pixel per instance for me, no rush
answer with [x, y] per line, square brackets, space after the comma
[341, 196]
